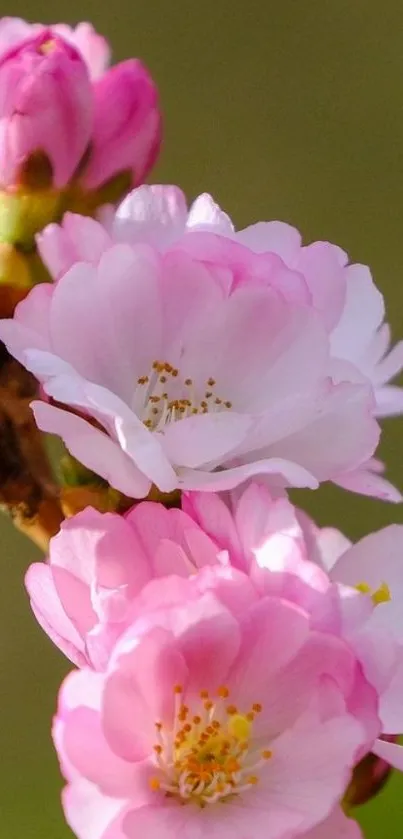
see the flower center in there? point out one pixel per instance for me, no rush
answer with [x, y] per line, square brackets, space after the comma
[164, 396]
[381, 595]
[207, 756]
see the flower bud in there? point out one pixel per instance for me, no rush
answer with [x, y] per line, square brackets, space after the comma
[127, 125]
[46, 108]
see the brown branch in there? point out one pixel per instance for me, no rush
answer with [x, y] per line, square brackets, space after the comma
[27, 488]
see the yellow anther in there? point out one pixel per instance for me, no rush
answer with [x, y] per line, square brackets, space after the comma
[232, 709]
[253, 779]
[257, 708]
[204, 694]
[232, 765]
[382, 594]
[223, 692]
[158, 749]
[364, 588]
[178, 689]
[183, 712]
[267, 754]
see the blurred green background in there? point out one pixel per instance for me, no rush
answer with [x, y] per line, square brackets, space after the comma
[289, 110]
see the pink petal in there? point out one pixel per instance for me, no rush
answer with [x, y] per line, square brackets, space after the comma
[93, 448]
[90, 814]
[344, 434]
[114, 340]
[322, 264]
[154, 214]
[85, 746]
[362, 314]
[308, 772]
[336, 826]
[278, 628]
[389, 401]
[50, 614]
[366, 482]
[29, 328]
[141, 445]
[283, 471]
[139, 693]
[392, 753]
[274, 237]
[76, 239]
[209, 638]
[205, 214]
[195, 441]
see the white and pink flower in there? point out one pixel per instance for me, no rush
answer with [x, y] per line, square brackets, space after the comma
[351, 306]
[190, 374]
[225, 715]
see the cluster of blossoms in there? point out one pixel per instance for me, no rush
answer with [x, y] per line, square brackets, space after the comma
[235, 664]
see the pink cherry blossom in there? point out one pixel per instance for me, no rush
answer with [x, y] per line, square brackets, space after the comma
[186, 718]
[87, 592]
[351, 306]
[268, 539]
[195, 380]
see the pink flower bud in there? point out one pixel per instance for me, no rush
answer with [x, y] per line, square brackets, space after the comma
[127, 125]
[92, 47]
[46, 107]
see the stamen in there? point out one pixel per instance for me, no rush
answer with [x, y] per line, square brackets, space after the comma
[157, 408]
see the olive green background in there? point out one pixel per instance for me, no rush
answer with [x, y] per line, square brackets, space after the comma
[292, 110]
